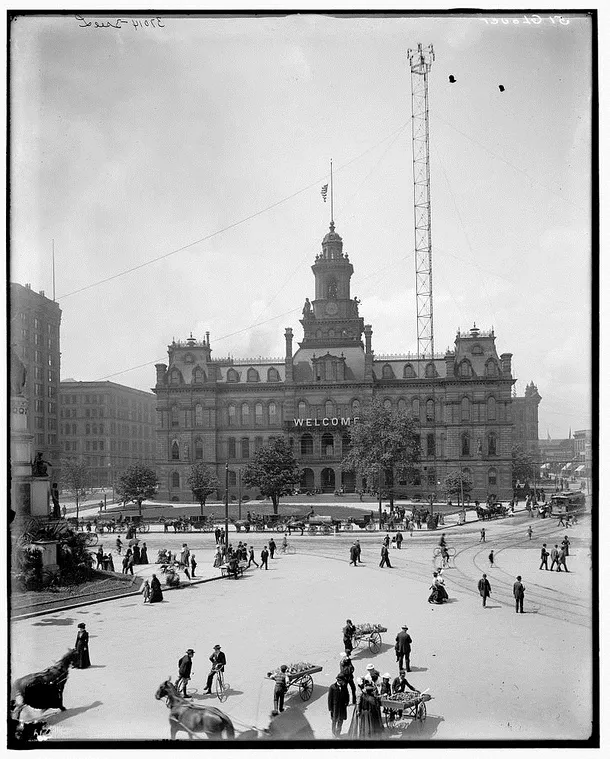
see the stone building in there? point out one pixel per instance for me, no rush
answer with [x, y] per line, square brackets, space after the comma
[222, 409]
[525, 415]
[109, 425]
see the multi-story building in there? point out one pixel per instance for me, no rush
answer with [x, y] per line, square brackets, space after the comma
[109, 425]
[34, 336]
[218, 410]
[583, 453]
[525, 416]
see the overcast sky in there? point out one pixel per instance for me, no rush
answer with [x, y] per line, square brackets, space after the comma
[131, 143]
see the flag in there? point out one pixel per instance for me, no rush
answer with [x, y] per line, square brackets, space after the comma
[324, 191]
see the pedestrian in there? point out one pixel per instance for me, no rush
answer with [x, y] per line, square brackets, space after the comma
[544, 557]
[359, 552]
[272, 547]
[402, 647]
[118, 545]
[251, 559]
[519, 593]
[386, 541]
[156, 594]
[338, 700]
[348, 633]
[129, 564]
[561, 560]
[482, 538]
[143, 554]
[554, 557]
[530, 531]
[565, 544]
[491, 558]
[353, 555]
[282, 681]
[385, 556]
[217, 535]
[125, 564]
[347, 670]
[63, 511]
[146, 591]
[100, 557]
[385, 689]
[484, 589]
[367, 720]
[218, 557]
[219, 661]
[81, 647]
[136, 554]
[193, 565]
[399, 539]
[185, 666]
[264, 558]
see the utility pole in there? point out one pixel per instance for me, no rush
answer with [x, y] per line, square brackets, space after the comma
[239, 492]
[227, 505]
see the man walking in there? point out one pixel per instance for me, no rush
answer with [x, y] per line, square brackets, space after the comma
[353, 555]
[272, 547]
[264, 558]
[251, 559]
[338, 699]
[491, 558]
[359, 552]
[519, 593]
[402, 648]
[544, 557]
[399, 539]
[484, 589]
[561, 560]
[482, 538]
[554, 557]
[385, 556]
[530, 531]
[185, 666]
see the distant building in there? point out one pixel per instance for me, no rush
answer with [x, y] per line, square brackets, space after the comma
[34, 337]
[583, 453]
[525, 416]
[109, 425]
[557, 457]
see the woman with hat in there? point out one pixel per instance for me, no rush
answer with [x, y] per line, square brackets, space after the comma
[82, 660]
[156, 594]
[366, 720]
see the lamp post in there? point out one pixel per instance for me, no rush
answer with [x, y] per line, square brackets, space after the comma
[227, 505]
[239, 493]
[379, 484]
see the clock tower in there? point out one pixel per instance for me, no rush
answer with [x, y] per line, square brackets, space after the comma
[332, 320]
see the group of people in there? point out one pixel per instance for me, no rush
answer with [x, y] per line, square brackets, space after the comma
[558, 556]
[185, 670]
[227, 555]
[151, 591]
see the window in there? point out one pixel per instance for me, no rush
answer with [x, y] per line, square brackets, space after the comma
[465, 438]
[94, 429]
[101, 445]
[175, 481]
[272, 413]
[302, 409]
[409, 372]
[431, 370]
[491, 409]
[232, 479]
[245, 448]
[328, 444]
[38, 389]
[273, 375]
[387, 404]
[253, 375]
[245, 414]
[39, 406]
[491, 368]
[430, 410]
[175, 417]
[492, 477]
[175, 377]
[465, 409]
[198, 449]
[346, 443]
[175, 451]
[258, 413]
[329, 409]
[402, 405]
[465, 369]
[492, 444]
[306, 445]
[415, 408]
[232, 412]
[355, 408]
[387, 372]
[87, 429]
[87, 445]
[94, 445]
[198, 376]
[430, 444]
[40, 423]
[232, 452]
[258, 443]
[198, 415]
[232, 376]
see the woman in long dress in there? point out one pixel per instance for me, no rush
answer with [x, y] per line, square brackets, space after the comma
[366, 719]
[156, 594]
[81, 646]
[438, 594]
[143, 554]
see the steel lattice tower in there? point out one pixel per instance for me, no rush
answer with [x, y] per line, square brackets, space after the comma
[420, 61]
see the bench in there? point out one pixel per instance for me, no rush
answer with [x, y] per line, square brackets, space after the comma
[224, 569]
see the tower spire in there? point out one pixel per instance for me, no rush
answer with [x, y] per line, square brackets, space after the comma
[332, 208]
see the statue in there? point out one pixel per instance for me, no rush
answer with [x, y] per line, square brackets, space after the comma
[307, 308]
[39, 466]
[18, 375]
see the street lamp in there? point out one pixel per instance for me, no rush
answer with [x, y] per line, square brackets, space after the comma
[227, 505]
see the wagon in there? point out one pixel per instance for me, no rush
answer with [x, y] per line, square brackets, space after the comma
[411, 704]
[302, 680]
[368, 634]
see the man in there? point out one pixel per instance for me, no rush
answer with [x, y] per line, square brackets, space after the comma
[561, 560]
[386, 541]
[359, 552]
[401, 684]
[272, 547]
[530, 531]
[251, 559]
[185, 665]
[371, 673]
[385, 556]
[193, 564]
[100, 557]
[353, 555]
[544, 557]
[219, 661]
[264, 558]
[482, 538]
[554, 557]
[338, 700]
[491, 558]
[399, 539]
[402, 647]
[282, 681]
[565, 544]
[348, 633]
[484, 589]
[519, 593]
[347, 671]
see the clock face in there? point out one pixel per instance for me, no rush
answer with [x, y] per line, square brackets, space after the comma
[331, 308]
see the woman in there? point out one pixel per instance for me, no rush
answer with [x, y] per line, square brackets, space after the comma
[439, 594]
[82, 660]
[136, 554]
[366, 720]
[143, 554]
[217, 557]
[146, 591]
[155, 590]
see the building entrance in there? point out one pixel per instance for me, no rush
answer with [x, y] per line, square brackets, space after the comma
[328, 481]
[348, 481]
[307, 480]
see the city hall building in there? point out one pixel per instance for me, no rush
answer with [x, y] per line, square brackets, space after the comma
[218, 410]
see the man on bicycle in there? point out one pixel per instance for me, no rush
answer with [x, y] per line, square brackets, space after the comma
[444, 552]
[284, 543]
[219, 661]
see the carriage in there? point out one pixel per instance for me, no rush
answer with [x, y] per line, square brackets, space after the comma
[492, 511]
[366, 523]
[400, 707]
[368, 634]
[300, 676]
[321, 525]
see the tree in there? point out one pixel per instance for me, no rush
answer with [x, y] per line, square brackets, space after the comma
[460, 484]
[202, 482]
[384, 442]
[76, 478]
[523, 466]
[138, 483]
[273, 470]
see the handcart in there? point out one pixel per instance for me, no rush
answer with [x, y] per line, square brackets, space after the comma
[403, 706]
[302, 680]
[368, 634]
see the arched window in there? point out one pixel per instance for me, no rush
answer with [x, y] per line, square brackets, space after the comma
[492, 444]
[491, 409]
[245, 414]
[175, 378]
[273, 375]
[302, 410]
[465, 369]
[409, 372]
[430, 444]
[232, 414]
[175, 451]
[258, 413]
[355, 408]
[198, 415]
[232, 479]
[430, 410]
[175, 479]
[231, 449]
[306, 444]
[491, 368]
[232, 376]
[465, 409]
[198, 449]
[198, 376]
[328, 444]
[331, 288]
[253, 375]
[430, 370]
[402, 404]
[329, 409]
[175, 417]
[415, 408]
[492, 477]
[245, 448]
[465, 438]
[387, 372]
[387, 404]
[272, 412]
[346, 443]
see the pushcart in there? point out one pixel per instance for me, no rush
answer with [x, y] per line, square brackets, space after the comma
[368, 634]
[403, 706]
[302, 680]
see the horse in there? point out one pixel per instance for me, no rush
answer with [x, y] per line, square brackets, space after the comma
[192, 718]
[43, 690]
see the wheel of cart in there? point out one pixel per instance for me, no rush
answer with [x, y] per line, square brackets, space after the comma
[91, 538]
[144, 527]
[325, 529]
[306, 687]
[312, 529]
[303, 681]
[414, 709]
[281, 528]
[370, 637]
[370, 526]
[347, 526]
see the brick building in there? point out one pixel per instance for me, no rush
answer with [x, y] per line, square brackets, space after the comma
[525, 416]
[34, 337]
[219, 409]
[109, 425]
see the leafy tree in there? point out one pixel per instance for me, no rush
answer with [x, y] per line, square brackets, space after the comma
[202, 482]
[138, 483]
[273, 470]
[523, 466]
[76, 478]
[458, 483]
[384, 442]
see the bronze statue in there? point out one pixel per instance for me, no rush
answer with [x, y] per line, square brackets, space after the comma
[39, 466]
[18, 374]
[307, 308]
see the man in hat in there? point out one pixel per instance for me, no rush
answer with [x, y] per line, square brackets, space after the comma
[282, 681]
[219, 661]
[403, 648]
[359, 547]
[484, 589]
[372, 676]
[401, 684]
[353, 555]
[519, 593]
[185, 665]
[338, 700]
[264, 558]
[385, 556]
[385, 688]
[347, 670]
[544, 557]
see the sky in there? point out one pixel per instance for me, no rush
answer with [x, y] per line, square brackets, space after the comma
[204, 144]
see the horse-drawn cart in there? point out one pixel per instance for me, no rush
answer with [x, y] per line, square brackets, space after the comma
[402, 706]
[300, 676]
[368, 634]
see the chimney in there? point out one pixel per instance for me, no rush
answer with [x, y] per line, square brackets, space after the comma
[288, 359]
[368, 333]
[450, 363]
[161, 370]
[505, 358]
[368, 353]
[41, 292]
[207, 339]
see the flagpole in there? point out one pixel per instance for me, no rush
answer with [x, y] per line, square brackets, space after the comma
[332, 213]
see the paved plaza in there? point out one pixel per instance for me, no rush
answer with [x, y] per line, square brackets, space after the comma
[493, 674]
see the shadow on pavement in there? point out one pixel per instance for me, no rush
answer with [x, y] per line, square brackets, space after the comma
[204, 696]
[295, 699]
[419, 669]
[426, 729]
[52, 621]
[56, 719]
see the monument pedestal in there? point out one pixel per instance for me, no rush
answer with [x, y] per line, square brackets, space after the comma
[40, 496]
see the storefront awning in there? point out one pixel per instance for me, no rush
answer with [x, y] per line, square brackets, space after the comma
[580, 468]
[567, 466]
[545, 466]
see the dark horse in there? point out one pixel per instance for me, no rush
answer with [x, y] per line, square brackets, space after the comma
[192, 718]
[43, 690]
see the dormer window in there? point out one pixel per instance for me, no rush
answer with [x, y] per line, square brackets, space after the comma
[273, 375]
[175, 377]
[431, 370]
[232, 376]
[491, 368]
[253, 375]
[465, 369]
[198, 376]
[387, 372]
[409, 372]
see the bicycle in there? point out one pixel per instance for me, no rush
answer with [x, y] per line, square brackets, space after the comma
[288, 548]
[221, 687]
[440, 560]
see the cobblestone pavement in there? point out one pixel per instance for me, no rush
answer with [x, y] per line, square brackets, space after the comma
[492, 673]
